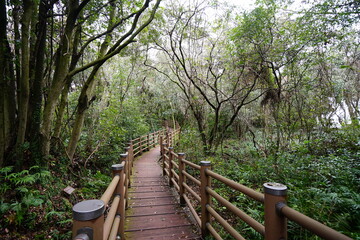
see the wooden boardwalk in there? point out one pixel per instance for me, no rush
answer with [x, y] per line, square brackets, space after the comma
[153, 211]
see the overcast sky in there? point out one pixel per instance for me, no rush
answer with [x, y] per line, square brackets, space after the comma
[243, 4]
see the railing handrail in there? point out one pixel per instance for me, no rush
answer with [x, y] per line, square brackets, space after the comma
[89, 220]
[274, 200]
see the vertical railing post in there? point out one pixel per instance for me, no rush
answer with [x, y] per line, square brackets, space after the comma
[124, 159]
[128, 164]
[171, 139]
[168, 138]
[131, 153]
[182, 177]
[141, 144]
[161, 145]
[170, 166]
[275, 223]
[118, 169]
[121, 208]
[148, 142]
[179, 134]
[88, 219]
[155, 139]
[205, 197]
[164, 145]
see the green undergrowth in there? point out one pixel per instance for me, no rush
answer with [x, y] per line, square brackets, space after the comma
[322, 176]
[33, 204]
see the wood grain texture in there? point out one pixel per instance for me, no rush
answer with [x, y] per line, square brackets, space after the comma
[154, 212]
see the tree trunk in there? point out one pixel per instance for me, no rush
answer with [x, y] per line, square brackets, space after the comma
[7, 102]
[3, 23]
[86, 95]
[65, 92]
[61, 69]
[17, 35]
[61, 111]
[352, 111]
[25, 78]
[35, 104]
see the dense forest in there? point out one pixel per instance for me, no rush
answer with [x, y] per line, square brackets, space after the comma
[267, 93]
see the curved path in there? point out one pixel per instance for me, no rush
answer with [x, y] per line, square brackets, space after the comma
[153, 211]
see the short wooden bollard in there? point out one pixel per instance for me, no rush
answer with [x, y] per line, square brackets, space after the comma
[275, 223]
[88, 218]
[182, 178]
[205, 197]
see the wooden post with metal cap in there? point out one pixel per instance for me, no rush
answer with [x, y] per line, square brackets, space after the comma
[161, 139]
[164, 145]
[205, 197]
[171, 175]
[128, 164]
[88, 219]
[182, 178]
[275, 223]
[124, 159]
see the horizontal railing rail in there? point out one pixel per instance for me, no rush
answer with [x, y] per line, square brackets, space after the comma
[197, 194]
[89, 218]
[145, 142]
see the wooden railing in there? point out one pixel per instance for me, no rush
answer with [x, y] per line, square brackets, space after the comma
[178, 170]
[89, 219]
[145, 142]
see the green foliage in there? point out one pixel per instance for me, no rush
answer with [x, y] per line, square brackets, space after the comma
[26, 197]
[93, 184]
[30, 203]
[189, 136]
[322, 176]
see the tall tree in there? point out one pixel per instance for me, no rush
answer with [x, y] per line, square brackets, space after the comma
[215, 86]
[58, 41]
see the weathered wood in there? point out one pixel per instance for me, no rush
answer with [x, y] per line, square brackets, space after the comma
[154, 212]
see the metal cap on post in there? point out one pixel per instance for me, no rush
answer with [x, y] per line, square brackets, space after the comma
[276, 189]
[205, 163]
[275, 224]
[117, 167]
[88, 210]
[123, 157]
[126, 149]
[205, 197]
[83, 236]
[89, 214]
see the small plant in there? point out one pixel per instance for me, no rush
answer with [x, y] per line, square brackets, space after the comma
[22, 196]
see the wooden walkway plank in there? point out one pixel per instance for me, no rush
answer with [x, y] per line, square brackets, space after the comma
[153, 211]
